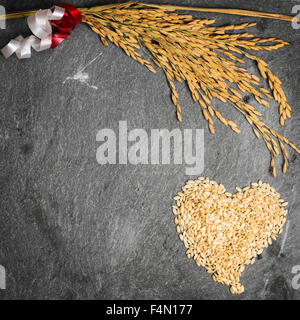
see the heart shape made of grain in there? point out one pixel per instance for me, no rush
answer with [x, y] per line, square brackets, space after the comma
[223, 232]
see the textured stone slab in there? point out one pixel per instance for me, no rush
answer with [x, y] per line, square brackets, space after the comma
[73, 229]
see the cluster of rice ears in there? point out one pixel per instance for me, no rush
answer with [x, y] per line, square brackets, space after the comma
[208, 58]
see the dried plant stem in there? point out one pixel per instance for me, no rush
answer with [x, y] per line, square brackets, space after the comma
[17, 15]
[248, 13]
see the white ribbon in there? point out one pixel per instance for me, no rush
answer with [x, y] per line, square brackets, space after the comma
[39, 24]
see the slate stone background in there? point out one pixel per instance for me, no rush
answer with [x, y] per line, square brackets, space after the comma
[73, 229]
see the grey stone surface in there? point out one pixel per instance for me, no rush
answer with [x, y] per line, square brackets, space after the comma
[73, 229]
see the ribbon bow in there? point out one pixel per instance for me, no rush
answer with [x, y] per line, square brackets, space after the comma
[62, 19]
[72, 17]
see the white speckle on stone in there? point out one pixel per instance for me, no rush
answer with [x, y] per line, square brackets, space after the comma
[284, 238]
[83, 77]
[264, 290]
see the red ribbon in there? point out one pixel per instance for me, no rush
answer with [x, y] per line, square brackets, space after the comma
[63, 27]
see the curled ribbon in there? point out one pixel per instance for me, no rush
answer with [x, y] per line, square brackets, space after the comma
[72, 17]
[62, 19]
